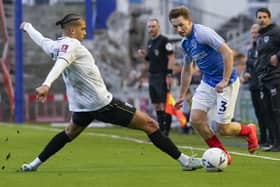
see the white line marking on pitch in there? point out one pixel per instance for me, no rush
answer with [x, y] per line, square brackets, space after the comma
[145, 142]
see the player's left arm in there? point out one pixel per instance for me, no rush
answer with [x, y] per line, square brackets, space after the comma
[227, 55]
[65, 57]
[43, 90]
[215, 41]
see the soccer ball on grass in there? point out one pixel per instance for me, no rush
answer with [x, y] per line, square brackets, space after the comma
[214, 159]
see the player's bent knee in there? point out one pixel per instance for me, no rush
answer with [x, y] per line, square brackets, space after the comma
[72, 131]
[143, 122]
[194, 120]
[152, 126]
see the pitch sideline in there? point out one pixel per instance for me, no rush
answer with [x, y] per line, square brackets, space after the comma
[145, 142]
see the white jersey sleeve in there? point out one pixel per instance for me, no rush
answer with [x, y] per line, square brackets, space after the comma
[56, 70]
[45, 43]
[67, 50]
[65, 56]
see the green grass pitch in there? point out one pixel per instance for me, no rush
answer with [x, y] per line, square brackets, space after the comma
[119, 157]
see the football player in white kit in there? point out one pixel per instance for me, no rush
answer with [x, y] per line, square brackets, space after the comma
[88, 96]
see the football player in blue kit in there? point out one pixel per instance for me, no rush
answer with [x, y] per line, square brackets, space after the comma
[219, 86]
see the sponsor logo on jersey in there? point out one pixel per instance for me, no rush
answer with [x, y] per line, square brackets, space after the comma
[193, 43]
[199, 56]
[64, 48]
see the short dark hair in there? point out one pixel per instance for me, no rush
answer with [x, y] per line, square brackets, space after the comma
[69, 18]
[179, 11]
[263, 9]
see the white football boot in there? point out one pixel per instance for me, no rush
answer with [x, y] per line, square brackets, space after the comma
[27, 168]
[192, 164]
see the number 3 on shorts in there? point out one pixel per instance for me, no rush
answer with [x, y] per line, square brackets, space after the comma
[223, 106]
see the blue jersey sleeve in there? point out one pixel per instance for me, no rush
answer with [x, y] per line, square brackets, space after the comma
[208, 36]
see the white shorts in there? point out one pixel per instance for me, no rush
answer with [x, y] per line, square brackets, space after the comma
[205, 98]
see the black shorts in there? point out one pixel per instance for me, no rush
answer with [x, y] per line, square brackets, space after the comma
[157, 87]
[117, 113]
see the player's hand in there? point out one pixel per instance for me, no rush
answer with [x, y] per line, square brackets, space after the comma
[22, 25]
[274, 60]
[141, 53]
[41, 93]
[221, 85]
[179, 103]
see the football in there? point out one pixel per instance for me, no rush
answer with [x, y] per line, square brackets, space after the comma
[214, 159]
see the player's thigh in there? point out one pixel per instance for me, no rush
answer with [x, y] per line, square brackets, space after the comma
[73, 130]
[226, 103]
[198, 116]
[204, 98]
[117, 113]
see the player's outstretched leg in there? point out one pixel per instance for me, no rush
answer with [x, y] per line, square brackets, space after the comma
[144, 122]
[55, 144]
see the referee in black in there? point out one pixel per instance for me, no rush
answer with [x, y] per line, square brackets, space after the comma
[161, 58]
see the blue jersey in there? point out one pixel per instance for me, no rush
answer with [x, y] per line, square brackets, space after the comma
[201, 47]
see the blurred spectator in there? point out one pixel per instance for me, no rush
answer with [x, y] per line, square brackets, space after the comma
[240, 65]
[268, 71]
[251, 77]
[132, 78]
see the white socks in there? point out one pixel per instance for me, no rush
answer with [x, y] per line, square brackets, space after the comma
[183, 159]
[36, 162]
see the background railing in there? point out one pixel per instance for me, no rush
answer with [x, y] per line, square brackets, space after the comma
[55, 109]
[5, 61]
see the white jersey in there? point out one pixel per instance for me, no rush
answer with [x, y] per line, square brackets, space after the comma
[85, 87]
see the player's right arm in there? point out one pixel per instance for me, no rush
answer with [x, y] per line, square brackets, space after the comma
[186, 77]
[43, 90]
[66, 55]
[37, 37]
